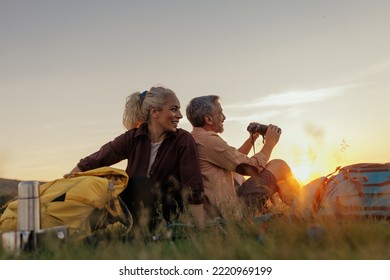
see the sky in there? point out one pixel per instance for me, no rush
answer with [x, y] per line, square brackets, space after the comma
[317, 69]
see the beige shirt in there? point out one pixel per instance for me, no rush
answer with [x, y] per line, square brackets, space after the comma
[218, 162]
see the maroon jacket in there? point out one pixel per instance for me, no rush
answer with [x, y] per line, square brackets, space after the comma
[176, 157]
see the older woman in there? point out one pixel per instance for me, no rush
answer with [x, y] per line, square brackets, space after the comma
[161, 158]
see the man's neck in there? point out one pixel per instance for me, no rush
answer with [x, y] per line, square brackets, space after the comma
[208, 128]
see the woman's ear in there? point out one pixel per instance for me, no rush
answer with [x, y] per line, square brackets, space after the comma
[153, 112]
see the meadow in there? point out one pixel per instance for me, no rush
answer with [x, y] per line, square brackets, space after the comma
[273, 237]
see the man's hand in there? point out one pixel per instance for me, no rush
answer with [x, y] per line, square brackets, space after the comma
[272, 136]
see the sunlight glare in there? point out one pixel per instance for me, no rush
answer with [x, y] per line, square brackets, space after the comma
[310, 166]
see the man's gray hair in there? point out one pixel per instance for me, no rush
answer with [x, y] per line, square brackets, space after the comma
[199, 107]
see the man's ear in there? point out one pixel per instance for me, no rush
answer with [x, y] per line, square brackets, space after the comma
[208, 119]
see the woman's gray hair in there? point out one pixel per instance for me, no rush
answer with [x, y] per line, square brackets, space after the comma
[137, 108]
[199, 107]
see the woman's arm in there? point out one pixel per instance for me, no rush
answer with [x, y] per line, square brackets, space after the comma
[109, 154]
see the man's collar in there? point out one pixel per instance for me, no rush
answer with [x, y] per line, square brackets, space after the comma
[197, 130]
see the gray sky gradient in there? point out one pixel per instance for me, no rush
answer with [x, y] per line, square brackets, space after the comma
[66, 68]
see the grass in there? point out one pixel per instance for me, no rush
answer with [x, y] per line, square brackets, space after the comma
[273, 237]
[279, 238]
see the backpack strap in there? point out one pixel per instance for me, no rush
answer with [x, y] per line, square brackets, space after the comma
[117, 208]
[328, 177]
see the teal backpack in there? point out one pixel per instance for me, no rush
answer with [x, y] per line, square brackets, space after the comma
[357, 190]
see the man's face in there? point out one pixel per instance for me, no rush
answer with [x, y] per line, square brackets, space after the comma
[217, 118]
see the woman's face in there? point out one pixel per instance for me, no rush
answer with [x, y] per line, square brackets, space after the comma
[169, 115]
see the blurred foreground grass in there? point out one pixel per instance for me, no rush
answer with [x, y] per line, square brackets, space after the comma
[277, 238]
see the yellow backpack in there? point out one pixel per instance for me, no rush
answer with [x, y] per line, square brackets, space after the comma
[71, 201]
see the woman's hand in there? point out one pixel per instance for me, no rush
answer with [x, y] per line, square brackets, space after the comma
[71, 173]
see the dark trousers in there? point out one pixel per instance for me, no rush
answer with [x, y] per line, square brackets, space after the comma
[258, 189]
[141, 196]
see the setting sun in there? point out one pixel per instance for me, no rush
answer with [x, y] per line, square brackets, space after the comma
[306, 173]
[313, 164]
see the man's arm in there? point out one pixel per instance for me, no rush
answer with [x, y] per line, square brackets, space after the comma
[248, 144]
[271, 139]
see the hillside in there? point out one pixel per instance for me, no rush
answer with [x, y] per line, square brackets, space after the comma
[8, 187]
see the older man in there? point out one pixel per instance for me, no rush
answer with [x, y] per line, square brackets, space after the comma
[220, 162]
